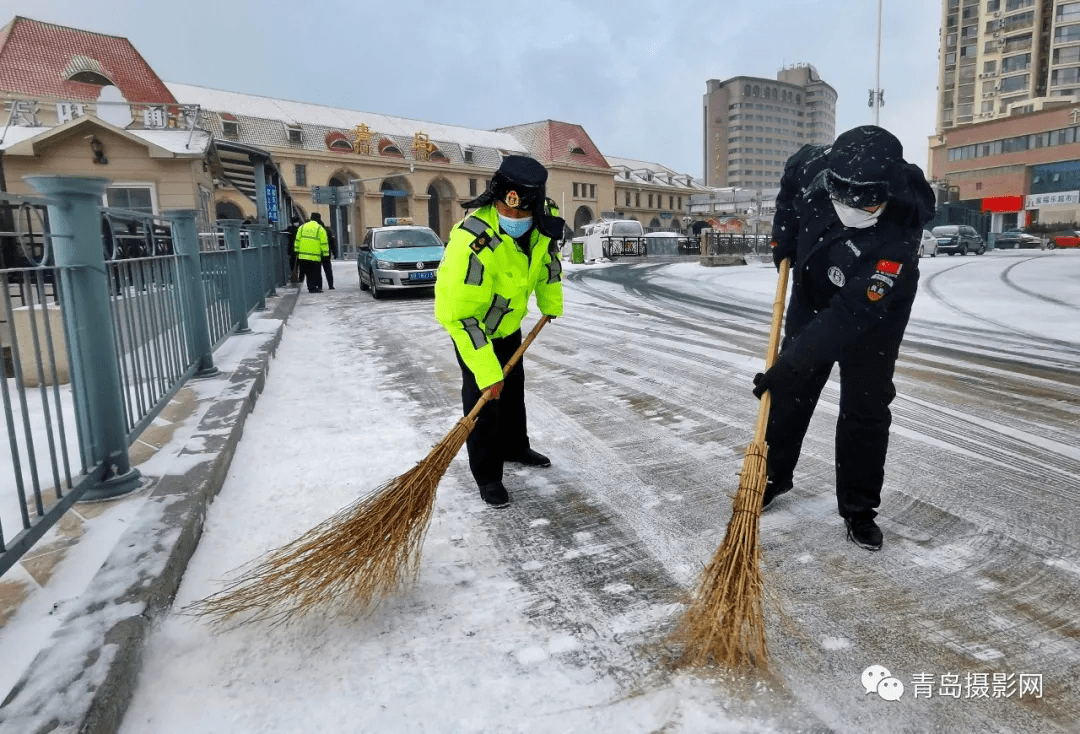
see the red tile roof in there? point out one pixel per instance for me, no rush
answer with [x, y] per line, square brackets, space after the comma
[34, 55]
[551, 141]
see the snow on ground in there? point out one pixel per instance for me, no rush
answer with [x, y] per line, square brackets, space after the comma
[458, 654]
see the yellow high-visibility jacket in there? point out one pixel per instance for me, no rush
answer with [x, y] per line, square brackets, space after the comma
[483, 287]
[311, 242]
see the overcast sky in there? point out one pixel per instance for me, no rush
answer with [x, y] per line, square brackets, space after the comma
[632, 73]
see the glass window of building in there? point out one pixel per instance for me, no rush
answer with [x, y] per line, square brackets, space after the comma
[1019, 62]
[1013, 83]
[1018, 21]
[1067, 55]
[1068, 75]
[1065, 34]
[1068, 13]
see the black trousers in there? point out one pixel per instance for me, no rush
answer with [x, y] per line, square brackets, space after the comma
[328, 268]
[312, 272]
[500, 430]
[862, 427]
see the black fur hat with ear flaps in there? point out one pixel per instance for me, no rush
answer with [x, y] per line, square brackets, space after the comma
[861, 162]
[520, 183]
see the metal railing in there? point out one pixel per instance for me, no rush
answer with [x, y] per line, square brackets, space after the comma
[107, 313]
[726, 243]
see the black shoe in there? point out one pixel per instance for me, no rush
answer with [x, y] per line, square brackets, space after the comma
[530, 458]
[331, 288]
[863, 532]
[495, 494]
[774, 489]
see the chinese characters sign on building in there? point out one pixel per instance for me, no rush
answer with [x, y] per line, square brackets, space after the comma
[1035, 201]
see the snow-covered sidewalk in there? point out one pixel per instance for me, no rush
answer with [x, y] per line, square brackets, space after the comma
[457, 654]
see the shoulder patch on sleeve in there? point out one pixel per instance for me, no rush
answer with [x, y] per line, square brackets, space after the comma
[889, 267]
[474, 225]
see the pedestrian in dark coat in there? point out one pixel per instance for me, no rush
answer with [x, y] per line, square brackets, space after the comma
[294, 271]
[327, 266]
[849, 217]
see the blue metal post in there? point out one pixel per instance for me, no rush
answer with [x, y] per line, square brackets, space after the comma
[270, 260]
[237, 298]
[260, 190]
[75, 220]
[258, 233]
[196, 327]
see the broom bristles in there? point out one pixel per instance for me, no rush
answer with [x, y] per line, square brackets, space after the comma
[360, 556]
[725, 621]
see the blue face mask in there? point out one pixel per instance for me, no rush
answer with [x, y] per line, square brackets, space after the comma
[515, 227]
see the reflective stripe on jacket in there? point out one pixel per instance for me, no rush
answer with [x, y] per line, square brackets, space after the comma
[311, 242]
[483, 288]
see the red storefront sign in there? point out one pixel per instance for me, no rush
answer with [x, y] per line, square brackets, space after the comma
[1006, 204]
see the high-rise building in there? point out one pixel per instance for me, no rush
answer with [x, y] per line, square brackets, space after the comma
[753, 125]
[1000, 57]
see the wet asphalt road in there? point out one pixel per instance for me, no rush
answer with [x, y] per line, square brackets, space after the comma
[640, 395]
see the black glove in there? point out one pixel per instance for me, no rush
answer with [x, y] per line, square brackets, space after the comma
[777, 257]
[780, 374]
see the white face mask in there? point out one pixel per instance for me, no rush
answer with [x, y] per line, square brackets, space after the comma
[856, 218]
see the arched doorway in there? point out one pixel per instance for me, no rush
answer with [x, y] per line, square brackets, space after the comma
[441, 214]
[339, 222]
[395, 198]
[227, 210]
[582, 216]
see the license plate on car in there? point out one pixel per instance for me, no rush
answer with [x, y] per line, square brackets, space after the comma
[427, 275]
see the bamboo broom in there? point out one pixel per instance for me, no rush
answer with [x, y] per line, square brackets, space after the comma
[359, 556]
[725, 621]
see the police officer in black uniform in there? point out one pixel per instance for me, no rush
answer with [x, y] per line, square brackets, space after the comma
[849, 217]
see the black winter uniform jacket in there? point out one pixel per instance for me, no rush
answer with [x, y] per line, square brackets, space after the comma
[847, 282]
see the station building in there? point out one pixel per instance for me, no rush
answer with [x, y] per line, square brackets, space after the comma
[84, 103]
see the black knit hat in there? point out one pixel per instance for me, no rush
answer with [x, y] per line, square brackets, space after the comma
[861, 161]
[519, 183]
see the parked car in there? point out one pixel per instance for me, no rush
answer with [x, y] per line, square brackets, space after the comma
[1064, 238]
[954, 238]
[398, 257]
[1017, 238]
[928, 245]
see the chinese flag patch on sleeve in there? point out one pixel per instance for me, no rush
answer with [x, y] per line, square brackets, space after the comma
[888, 267]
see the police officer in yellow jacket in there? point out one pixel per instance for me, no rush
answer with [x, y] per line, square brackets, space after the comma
[495, 259]
[311, 246]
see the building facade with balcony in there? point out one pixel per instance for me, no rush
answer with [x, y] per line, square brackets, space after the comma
[1020, 169]
[753, 125]
[653, 194]
[1000, 57]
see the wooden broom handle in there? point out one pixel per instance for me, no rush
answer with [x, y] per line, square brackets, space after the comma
[486, 395]
[774, 347]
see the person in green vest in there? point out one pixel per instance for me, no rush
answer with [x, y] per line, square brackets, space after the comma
[496, 258]
[311, 246]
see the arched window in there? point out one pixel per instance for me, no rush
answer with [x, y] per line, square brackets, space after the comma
[228, 210]
[574, 148]
[757, 91]
[798, 99]
[338, 142]
[439, 157]
[87, 71]
[387, 148]
[746, 91]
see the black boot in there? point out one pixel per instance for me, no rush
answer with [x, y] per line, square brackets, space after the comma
[864, 532]
[495, 494]
[773, 489]
[530, 458]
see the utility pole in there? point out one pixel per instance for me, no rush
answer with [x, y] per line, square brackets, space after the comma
[877, 94]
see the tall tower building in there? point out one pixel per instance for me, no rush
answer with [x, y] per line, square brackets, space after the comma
[753, 125]
[998, 57]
